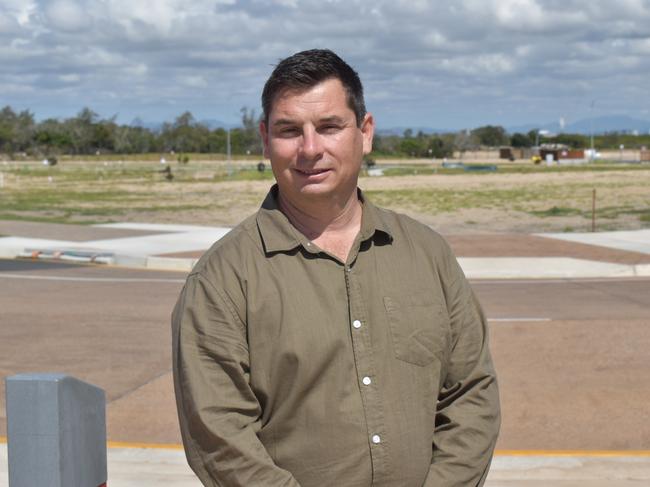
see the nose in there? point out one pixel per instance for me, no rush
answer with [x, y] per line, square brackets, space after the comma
[312, 146]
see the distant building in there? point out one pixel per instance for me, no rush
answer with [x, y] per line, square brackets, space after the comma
[560, 152]
[512, 153]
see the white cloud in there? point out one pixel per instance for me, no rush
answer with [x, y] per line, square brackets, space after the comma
[435, 40]
[21, 10]
[7, 23]
[415, 57]
[482, 65]
[67, 15]
[16, 89]
[640, 46]
[138, 70]
[287, 3]
[70, 78]
[194, 81]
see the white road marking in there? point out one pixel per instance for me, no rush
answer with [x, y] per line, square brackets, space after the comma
[87, 279]
[558, 281]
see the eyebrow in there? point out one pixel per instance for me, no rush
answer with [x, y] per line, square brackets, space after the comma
[287, 121]
[283, 121]
[333, 118]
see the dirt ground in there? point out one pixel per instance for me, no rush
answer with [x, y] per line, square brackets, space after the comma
[495, 202]
[483, 205]
[538, 192]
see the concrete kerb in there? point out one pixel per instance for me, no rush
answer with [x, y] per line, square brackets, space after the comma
[71, 255]
[642, 269]
[170, 263]
[546, 268]
[10, 252]
[106, 258]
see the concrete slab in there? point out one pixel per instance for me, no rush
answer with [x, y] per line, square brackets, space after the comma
[141, 246]
[543, 267]
[156, 227]
[177, 247]
[27, 242]
[9, 249]
[136, 467]
[522, 245]
[572, 470]
[171, 264]
[151, 467]
[74, 233]
[160, 244]
[633, 241]
[143, 467]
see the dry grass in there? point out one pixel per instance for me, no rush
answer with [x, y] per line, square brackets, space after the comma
[218, 193]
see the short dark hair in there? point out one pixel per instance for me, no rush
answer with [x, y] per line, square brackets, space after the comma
[306, 69]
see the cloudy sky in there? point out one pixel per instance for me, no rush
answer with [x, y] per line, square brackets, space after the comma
[441, 64]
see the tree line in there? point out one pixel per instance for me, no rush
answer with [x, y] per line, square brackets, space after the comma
[87, 133]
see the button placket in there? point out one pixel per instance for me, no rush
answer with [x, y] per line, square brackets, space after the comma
[364, 359]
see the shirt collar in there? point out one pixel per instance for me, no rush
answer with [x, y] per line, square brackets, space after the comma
[279, 235]
[372, 220]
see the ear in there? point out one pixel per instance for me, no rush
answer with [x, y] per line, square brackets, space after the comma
[368, 132]
[264, 133]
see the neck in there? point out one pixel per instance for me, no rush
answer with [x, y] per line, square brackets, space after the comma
[323, 217]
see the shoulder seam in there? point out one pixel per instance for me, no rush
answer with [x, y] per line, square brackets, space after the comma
[227, 301]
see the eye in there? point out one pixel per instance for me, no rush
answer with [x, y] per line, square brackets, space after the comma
[329, 128]
[287, 132]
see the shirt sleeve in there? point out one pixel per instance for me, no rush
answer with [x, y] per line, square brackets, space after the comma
[468, 413]
[218, 412]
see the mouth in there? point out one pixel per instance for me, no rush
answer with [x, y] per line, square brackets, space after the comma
[311, 171]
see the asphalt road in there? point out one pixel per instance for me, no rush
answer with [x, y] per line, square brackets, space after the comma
[572, 355]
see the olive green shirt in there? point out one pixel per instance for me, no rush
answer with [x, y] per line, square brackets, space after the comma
[294, 368]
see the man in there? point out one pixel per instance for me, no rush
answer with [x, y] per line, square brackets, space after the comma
[325, 341]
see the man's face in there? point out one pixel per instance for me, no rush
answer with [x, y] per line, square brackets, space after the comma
[314, 143]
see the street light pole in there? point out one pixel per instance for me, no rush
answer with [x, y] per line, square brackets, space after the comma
[228, 154]
[591, 130]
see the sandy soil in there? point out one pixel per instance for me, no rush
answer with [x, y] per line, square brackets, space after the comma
[616, 189]
[228, 203]
[452, 203]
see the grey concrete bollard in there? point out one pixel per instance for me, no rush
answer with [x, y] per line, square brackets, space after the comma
[56, 432]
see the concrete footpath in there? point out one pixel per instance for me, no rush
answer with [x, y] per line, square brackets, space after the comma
[153, 467]
[482, 256]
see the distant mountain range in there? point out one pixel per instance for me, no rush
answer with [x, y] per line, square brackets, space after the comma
[415, 130]
[599, 125]
[211, 123]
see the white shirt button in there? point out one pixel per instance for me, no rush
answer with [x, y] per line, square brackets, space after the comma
[376, 439]
[366, 381]
[308, 244]
[356, 324]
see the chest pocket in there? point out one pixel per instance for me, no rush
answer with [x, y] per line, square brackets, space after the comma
[419, 328]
